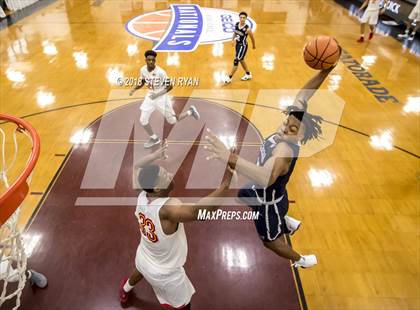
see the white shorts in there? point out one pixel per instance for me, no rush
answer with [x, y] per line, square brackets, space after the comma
[172, 288]
[415, 14]
[370, 17]
[162, 103]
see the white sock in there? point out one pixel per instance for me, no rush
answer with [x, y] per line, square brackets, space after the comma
[407, 31]
[189, 112]
[362, 35]
[127, 287]
[154, 136]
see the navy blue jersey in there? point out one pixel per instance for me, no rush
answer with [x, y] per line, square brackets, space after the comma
[278, 188]
[241, 34]
[271, 203]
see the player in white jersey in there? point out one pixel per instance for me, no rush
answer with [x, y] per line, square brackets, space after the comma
[370, 16]
[155, 78]
[162, 252]
[413, 20]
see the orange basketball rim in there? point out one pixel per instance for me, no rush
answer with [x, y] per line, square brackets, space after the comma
[14, 195]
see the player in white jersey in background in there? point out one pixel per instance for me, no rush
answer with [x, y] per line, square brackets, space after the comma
[370, 16]
[163, 249]
[158, 83]
[413, 20]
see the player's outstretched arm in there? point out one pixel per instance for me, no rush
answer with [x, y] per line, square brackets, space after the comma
[158, 154]
[175, 211]
[309, 89]
[148, 159]
[264, 175]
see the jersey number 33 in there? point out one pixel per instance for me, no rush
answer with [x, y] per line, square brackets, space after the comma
[147, 228]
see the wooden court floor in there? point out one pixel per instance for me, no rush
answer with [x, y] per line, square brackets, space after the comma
[57, 67]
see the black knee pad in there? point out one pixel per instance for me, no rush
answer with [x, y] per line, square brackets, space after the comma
[235, 62]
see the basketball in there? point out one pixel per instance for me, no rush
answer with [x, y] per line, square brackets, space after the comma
[321, 52]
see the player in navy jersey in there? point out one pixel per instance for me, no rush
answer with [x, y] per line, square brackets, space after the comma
[278, 154]
[240, 35]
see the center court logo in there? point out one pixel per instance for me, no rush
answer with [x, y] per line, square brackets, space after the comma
[185, 26]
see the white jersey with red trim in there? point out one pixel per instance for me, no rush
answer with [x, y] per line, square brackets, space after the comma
[157, 249]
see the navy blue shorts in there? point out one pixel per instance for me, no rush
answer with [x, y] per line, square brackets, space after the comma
[241, 50]
[270, 223]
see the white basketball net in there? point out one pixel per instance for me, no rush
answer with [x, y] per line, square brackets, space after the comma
[12, 253]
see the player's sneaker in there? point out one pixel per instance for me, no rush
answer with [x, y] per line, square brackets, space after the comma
[194, 112]
[152, 142]
[227, 80]
[37, 279]
[123, 294]
[371, 35]
[403, 35]
[292, 224]
[246, 77]
[361, 40]
[306, 261]
[411, 37]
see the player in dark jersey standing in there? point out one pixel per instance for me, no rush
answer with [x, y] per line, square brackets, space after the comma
[276, 161]
[239, 38]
